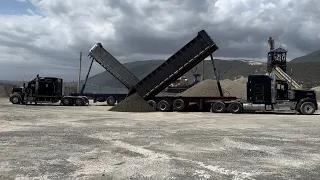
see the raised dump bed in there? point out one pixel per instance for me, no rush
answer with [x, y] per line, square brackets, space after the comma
[113, 66]
[177, 65]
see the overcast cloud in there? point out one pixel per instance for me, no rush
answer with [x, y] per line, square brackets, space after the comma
[53, 32]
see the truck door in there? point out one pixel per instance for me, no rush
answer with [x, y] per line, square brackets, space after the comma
[259, 92]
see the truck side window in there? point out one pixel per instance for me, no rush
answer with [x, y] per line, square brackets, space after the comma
[258, 89]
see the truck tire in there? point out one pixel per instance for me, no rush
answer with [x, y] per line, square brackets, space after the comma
[307, 108]
[86, 100]
[163, 105]
[218, 107]
[153, 104]
[79, 102]
[100, 99]
[178, 104]
[15, 99]
[111, 101]
[235, 107]
[66, 102]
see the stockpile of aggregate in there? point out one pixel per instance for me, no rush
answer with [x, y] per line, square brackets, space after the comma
[234, 88]
[317, 89]
[133, 103]
[5, 90]
[242, 80]
[209, 87]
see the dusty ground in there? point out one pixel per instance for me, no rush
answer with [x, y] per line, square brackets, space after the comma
[54, 142]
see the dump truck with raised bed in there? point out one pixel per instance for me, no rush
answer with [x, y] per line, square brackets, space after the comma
[45, 90]
[276, 91]
[99, 54]
[262, 92]
[273, 92]
[176, 66]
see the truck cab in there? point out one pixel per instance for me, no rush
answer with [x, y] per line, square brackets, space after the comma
[266, 93]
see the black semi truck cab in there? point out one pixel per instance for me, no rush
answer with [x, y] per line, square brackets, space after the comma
[45, 90]
[265, 93]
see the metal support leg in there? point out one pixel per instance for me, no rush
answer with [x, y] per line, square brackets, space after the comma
[217, 76]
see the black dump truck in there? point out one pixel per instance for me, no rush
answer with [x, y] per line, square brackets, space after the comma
[264, 92]
[109, 62]
[45, 90]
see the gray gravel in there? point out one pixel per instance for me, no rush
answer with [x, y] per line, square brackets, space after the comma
[55, 142]
[234, 88]
[209, 87]
[5, 90]
[133, 103]
[317, 89]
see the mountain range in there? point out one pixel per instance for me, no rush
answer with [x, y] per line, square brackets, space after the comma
[305, 70]
[312, 57]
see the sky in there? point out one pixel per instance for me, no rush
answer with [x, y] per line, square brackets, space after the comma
[46, 37]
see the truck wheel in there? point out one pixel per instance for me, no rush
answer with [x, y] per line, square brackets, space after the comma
[218, 107]
[307, 108]
[163, 105]
[66, 102]
[153, 104]
[79, 102]
[86, 100]
[235, 107]
[111, 101]
[100, 99]
[16, 99]
[178, 104]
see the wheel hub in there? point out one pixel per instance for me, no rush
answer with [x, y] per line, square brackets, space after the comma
[163, 107]
[308, 108]
[15, 100]
[219, 107]
[235, 108]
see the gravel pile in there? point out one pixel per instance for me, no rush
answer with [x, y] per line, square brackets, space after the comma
[133, 103]
[242, 80]
[317, 89]
[234, 88]
[209, 87]
[5, 90]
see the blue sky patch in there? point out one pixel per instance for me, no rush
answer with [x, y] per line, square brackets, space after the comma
[16, 7]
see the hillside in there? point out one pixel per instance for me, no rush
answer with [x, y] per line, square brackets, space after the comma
[139, 68]
[305, 73]
[312, 57]
[229, 69]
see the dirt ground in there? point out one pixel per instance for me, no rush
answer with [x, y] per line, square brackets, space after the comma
[55, 142]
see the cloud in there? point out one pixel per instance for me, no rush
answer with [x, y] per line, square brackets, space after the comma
[51, 37]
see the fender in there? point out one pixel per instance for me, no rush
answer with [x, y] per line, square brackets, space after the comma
[307, 100]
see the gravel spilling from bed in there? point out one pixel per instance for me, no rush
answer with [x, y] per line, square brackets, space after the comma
[133, 103]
